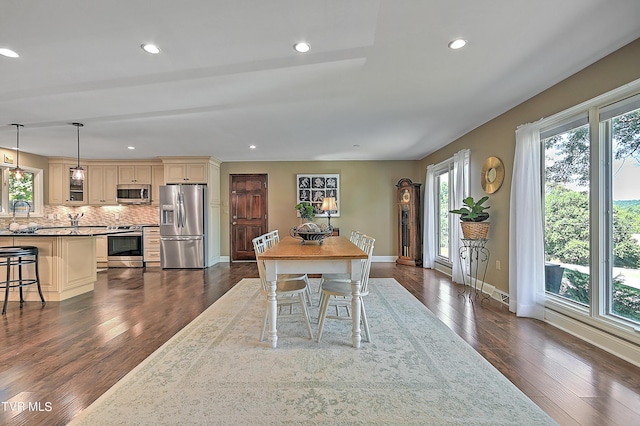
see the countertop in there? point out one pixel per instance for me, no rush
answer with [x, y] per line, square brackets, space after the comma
[80, 231]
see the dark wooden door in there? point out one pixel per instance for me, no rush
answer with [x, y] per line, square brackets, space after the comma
[248, 203]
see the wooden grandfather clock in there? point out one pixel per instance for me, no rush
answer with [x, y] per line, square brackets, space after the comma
[409, 235]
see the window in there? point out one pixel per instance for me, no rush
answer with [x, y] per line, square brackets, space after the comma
[21, 198]
[443, 221]
[592, 212]
[620, 129]
[566, 211]
[444, 177]
[447, 183]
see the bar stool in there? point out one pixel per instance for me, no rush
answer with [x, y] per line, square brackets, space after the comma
[19, 256]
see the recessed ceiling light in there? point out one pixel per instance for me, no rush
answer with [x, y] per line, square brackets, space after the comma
[302, 47]
[457, 43]
[252, 147]
[8, 53]
[150, 48]
[131, 147]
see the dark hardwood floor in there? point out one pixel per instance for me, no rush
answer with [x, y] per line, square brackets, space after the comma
[56, 360]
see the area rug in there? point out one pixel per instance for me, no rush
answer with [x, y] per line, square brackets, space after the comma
[415, 371]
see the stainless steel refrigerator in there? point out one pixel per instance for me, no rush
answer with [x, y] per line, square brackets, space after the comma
[183, 226]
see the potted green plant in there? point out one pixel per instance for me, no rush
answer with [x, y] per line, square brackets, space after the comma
[306, 211]
[473, 218]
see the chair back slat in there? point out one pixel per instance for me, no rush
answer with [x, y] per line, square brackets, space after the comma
[356, 238]
[259, 246]
[367, 244]
[271, 238]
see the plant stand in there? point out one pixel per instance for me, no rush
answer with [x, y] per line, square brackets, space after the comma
[474, 260]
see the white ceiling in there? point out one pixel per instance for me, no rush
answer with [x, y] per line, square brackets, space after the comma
[378, 84]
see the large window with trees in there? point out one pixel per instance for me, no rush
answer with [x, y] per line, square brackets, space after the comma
[566, 211]
[21, 197]
[592, 212]
[620, 129]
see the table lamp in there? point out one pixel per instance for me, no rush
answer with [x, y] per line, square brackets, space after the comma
[328, 205]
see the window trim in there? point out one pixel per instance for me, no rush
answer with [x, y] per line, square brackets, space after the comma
[445, 166]
[38, 191]
[596, 315]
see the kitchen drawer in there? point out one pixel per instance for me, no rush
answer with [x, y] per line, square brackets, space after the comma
[152, 255]
[151, 230]
[151, 245]
[152, 241]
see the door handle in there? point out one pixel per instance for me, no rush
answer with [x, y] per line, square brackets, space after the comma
[234, 223]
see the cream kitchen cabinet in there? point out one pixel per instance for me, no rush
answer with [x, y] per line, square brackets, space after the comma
[102, 251]
[63, 190]
[134, 174]
[66, 266]
[186, 173]
[151, 245]
[157, 179]
[102, 181]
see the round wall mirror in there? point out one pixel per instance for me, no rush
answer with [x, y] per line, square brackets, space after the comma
[492, 175]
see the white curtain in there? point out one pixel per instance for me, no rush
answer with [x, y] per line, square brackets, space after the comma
[430, 203]
[526, 236]
[459, 191]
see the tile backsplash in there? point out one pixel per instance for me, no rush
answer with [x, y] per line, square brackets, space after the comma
[93, 215]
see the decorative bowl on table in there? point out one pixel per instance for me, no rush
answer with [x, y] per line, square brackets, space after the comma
[310, 232]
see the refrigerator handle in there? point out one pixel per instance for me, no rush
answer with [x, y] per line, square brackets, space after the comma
[182, 221]
[178, 211]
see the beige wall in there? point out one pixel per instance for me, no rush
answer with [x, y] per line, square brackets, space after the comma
[26, 159]
[497, 138]
[367, 194]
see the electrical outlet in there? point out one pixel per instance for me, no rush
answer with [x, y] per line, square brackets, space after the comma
[117, 216]
[50, 216]
[498, 265]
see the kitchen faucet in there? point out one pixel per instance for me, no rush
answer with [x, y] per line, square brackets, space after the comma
[16, 203]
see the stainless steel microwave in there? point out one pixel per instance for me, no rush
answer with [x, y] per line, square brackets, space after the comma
[133, 194]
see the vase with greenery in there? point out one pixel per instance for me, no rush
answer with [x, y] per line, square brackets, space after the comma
[473, 218]
[306, 211]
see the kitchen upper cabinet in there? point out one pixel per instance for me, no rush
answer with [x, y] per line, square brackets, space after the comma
[186, 173]
[157, 179]
[57, 193]
[134, 174]
[102, 181]
[63, 190]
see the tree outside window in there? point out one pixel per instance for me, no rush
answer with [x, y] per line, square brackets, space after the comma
[568, 215]
[21, 190]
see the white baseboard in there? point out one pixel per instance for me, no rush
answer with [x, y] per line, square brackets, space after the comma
[614, 345]
[384, 259]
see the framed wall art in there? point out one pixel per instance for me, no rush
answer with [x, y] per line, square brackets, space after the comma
[312, 188]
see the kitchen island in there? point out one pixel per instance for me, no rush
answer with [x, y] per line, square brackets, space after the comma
[67, 260]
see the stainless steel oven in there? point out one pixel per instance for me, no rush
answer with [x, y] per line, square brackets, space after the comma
[125, 249]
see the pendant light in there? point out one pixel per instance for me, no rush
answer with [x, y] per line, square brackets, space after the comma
[78, 172]
[18, 173]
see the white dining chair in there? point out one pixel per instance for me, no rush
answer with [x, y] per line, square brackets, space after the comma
[336, 294]
[271, 238]
[289, 292]
[355, 238]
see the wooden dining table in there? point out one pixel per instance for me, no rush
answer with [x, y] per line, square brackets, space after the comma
[335, 255]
